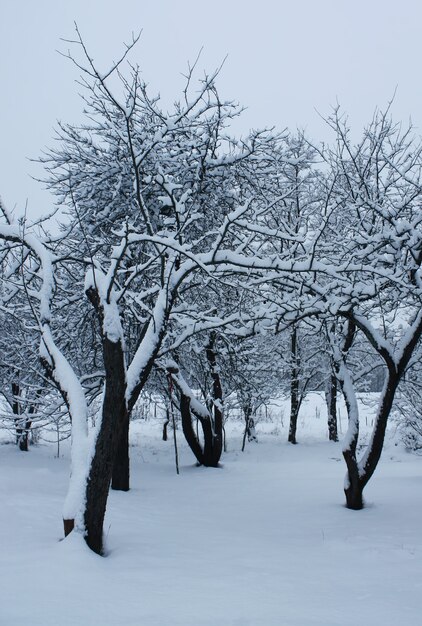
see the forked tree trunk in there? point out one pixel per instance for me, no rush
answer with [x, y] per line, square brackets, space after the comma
[188, 429]
[359, 474]
[209, 453]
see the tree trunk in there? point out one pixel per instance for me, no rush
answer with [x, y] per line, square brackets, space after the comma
[294, 387]
[212, 446]
[211, 423]
[359, 473]
[188, 430]
[217, 426]
[165, 425]
[121, 466]
[247, 412]
[114, 420]
[24, 436]
[376, 444]
[354, 497]
[68, 526]
[331, 397]
[208, 454]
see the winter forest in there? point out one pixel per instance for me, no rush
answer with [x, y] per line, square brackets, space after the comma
[195, 303]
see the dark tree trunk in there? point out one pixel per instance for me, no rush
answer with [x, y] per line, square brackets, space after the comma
[16, 407]
[68, 526]
[353, 489]
[354, 496]
[358, 478]
[214, 452]
[24, 436]
[188, 430]
[209, 453]
[251, 430]
[332, 408]
[294, 387]
[121, 478]
[121, 468]
[358, 475]
[165, 425]
[212, 446]
[247, 412]
[114, 419]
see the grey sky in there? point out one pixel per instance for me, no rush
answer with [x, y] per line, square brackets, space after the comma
[285, 59]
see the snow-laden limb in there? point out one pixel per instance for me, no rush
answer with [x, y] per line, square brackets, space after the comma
[59, 370]
[408, 342]
[191, 327]
[12, 232]
[352, 433]
[149, 345]
[198, 409]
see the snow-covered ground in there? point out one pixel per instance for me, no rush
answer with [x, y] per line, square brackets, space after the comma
[263, 541]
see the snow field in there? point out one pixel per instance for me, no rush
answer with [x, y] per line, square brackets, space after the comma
[263, 541]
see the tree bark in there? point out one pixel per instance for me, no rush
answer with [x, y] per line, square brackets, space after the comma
[121, 464]
[359, 476]
[188, 430]
[120, 476]
[165, 425]
[114, 419]
[294, 387]
[213, 452]
[332, 408]
[359, 473]
[209, 454]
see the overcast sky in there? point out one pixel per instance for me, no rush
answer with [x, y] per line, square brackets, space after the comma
[285, 61]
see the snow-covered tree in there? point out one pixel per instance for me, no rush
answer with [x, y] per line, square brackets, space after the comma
[368, 265]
